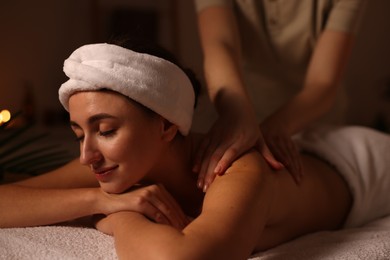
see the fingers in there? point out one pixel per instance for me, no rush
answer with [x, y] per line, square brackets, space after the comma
[173, 210]
[228, 157]
[203, 161]
[269, 157]
[216, 161]
[285, 150]
[158, 205]
[228, 138]
[294, 162]
[151, 207]
[211, 166]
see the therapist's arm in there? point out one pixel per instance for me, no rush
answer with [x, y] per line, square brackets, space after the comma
[321, 86]
[236, 129]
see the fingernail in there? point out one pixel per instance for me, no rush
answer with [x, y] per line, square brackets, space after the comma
[199, 184]
[205, 187]
[218, 169]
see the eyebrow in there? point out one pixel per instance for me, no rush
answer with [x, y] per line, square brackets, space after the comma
[94, 119]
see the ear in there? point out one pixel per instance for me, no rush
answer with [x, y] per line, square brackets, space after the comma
[168, 130]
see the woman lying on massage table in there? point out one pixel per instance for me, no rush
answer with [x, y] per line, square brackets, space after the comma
[131, 113]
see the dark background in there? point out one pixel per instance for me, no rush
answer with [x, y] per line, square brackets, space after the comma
[36, 37]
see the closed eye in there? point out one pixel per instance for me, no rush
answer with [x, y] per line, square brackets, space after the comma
[79, 138]
[107, 133]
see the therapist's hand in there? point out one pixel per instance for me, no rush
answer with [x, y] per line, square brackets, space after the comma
[228, 139]
[282, 147]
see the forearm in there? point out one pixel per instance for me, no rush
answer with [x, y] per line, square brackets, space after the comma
[222, 60]
[301, 111]
[22, 206]
[224, 79]
[138, 238]
[321, 84]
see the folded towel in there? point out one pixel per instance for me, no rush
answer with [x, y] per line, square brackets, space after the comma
[151, 81]
[361, 156]
[55, 243]
[371, 241]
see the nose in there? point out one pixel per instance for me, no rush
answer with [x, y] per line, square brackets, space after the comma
[89, 152]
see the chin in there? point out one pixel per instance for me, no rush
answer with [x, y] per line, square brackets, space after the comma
[114, 188]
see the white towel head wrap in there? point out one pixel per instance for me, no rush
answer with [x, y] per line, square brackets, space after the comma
[149, 80]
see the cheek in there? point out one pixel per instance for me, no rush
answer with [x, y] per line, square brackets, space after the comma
[118, 150]
[136, 156]
[136, 150]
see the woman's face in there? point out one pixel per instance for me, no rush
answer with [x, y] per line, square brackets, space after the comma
[118, 140]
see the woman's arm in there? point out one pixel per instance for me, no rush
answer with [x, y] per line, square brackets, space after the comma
[71, 192]
[236, 130]
[63, 194]
[235, 210]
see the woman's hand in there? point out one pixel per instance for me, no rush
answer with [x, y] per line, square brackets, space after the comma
[282, 147]
[106, 224]
[153, 201]
[228, 139]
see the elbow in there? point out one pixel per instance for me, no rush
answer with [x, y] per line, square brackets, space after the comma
[180, 250]
[176, 253]
[182, 257]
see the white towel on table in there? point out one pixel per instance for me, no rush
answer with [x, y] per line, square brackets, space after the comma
[362, 157]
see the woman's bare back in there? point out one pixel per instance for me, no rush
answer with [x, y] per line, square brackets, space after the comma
[321, 202]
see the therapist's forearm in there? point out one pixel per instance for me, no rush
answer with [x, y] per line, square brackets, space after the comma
[225, 84]
[222, 60]
[301, 111]
[321, 84]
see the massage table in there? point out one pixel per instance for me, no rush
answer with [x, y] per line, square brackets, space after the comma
[69, 241]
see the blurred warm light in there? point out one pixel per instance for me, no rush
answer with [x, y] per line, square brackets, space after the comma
[5, 116]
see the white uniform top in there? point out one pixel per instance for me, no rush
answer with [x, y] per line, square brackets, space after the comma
[278, 38]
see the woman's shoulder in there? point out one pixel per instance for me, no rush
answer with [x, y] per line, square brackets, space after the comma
[250, 160]
[252, 164]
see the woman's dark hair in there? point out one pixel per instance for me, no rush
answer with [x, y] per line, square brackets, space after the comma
[159, 51]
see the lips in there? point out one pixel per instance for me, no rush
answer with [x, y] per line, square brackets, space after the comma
[103, 174]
